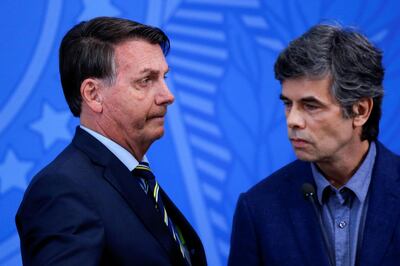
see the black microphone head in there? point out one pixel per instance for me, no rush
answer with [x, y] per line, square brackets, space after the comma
[308, 190]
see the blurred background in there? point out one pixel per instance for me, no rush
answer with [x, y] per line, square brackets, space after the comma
[226, 129]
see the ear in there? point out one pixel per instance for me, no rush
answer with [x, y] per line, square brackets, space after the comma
[362, 110]
[91, 94]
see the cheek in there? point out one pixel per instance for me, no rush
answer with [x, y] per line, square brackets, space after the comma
[334, 134]
[119, 108]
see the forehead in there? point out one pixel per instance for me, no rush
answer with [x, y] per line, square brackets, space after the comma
[139, 55]
[300, 88]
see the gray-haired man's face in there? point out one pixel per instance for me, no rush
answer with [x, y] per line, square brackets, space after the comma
[316, 126]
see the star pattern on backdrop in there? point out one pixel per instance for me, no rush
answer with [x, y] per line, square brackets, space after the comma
[52, 125]
[13, 172]
[94, 8]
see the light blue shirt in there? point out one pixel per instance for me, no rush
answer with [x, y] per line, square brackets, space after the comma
[344, 210]
[121, 153]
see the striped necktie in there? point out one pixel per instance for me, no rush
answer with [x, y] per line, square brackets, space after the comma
[151, 187]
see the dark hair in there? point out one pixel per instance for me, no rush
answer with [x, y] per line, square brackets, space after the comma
[345, 55]
[87, 51]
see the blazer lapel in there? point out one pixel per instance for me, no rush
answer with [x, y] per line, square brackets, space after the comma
[383, 209]
[121, 179]
[304, 220]
[190, 236]
[144, 208]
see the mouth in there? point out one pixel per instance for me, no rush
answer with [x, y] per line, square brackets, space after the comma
[299, 143]
[157, 117]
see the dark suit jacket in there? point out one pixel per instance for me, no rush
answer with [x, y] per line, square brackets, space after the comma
[85, 208]
[275, 225]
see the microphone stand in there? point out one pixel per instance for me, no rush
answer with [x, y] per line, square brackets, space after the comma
[309, 193]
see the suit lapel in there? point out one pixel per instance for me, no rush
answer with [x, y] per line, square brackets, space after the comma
[304, 221]
[144, 208]
[383, 209]
[192, 240]
[128, 187]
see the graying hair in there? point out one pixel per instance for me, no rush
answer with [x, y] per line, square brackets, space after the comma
[353, 63]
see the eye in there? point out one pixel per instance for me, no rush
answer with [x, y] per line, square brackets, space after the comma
[146, 81]
[311, 107]
[287, 104]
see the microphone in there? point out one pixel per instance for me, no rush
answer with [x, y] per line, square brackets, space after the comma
[308, 191]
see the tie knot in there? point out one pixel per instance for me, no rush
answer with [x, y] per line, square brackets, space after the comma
[143, 170]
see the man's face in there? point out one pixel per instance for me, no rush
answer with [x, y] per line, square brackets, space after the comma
[316, 126]
[136, 104]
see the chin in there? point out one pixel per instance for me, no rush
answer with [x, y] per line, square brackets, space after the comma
[303, 156]
[158, 134]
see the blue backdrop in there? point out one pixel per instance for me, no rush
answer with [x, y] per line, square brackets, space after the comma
[226, 129]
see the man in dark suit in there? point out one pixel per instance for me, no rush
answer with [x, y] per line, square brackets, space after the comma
[98, 202]
[348, 212]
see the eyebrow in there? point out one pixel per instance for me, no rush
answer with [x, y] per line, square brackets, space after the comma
[150, 70]
[309, 99]
[312, 99]
[283, 98]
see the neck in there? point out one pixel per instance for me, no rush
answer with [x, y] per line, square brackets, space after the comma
[339, 171]
[137, 151]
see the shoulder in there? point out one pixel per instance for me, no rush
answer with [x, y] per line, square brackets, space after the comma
[59, 190]
[265, 205]
[386, 162]
[279, 181]
[68, 174]
[275, 191]
[69, 166]
[383, 153]
[58, 214]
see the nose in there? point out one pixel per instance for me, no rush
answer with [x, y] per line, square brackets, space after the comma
[294, 118]
[165, 96]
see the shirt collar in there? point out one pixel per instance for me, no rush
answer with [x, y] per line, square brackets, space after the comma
[358, 183]
[121, 153]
